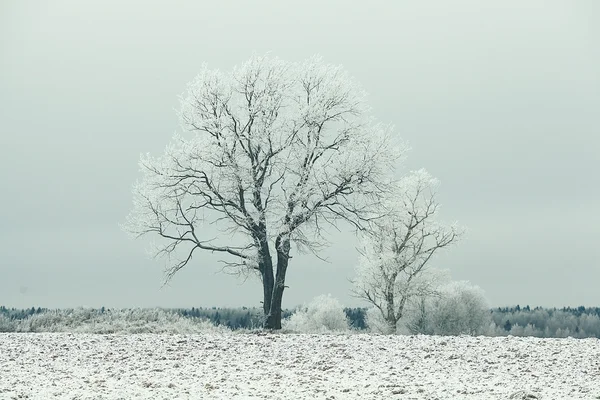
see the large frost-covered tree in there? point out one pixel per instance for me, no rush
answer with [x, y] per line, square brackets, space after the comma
[271, 153]
[395, 255]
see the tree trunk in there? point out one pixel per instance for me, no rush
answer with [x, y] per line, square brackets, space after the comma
[391, 309]
[273, 320]
[391, 315]
[266, 271]
[392, 326]
[268, 283]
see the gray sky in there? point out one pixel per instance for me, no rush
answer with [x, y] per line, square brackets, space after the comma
[500, 101]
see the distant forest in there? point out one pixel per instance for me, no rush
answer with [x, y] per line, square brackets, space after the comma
[580, 322]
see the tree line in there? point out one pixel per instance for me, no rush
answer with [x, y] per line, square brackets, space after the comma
[577, 322]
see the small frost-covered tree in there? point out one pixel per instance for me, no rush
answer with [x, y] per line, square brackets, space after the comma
[460, 308]
[393, 266]
[271, 153]
[322, 314]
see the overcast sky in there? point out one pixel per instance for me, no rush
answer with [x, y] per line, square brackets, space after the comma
[499, 100]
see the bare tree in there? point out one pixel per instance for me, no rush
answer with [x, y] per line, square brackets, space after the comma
[392, 269]
[274, 152]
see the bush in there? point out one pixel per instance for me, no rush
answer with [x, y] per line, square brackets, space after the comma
[461, 308]
[322, 315]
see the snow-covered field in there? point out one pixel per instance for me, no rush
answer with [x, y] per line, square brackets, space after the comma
[280, 366]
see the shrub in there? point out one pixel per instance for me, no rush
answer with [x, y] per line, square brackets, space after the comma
[323, 314]
[461, 308]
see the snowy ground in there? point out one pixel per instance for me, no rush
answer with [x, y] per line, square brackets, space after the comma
[275, 366]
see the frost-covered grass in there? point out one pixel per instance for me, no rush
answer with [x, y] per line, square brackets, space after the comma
[276, 366]
[85, 320]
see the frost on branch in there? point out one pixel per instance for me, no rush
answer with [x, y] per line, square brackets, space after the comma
[271, 153]
[392, 269]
